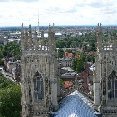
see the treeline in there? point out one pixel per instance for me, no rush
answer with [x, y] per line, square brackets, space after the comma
[82, 41]
[10, 98]
[80, 61]
[11, 49]
[86, 41]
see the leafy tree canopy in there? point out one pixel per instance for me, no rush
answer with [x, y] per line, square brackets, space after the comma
[10, 98]
[79, 62]
[12, 49]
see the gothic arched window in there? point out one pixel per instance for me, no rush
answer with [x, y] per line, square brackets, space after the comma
[38, 86]
[112, 85]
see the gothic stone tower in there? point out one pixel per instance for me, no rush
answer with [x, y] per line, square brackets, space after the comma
[39, 82]
[105, 80]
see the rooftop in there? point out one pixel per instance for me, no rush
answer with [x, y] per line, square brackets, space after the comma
[76, 105]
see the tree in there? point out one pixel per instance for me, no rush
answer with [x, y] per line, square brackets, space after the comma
[93, 47]
[1, 51]
[12, 49]
[60, 53]
[74, 64]
[78, 63]
[10, 98]
[1, 54]
[90, 58]
[60, 43]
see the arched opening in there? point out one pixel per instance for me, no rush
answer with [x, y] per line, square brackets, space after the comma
[38, 86]
[112, 86]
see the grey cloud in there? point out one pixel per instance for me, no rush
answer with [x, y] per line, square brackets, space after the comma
[59, 10]
[1, 16]
[18, 0]
[27, 0]
[73, 10]
[4, 0]
[108, 10]
[96, 4]
[52, 10]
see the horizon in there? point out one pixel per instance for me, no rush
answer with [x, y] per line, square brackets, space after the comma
[59, 26]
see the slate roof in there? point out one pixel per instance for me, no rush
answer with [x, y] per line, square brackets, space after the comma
[76, 105]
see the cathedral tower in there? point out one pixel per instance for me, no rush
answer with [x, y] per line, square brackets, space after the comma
[38, 82]
[105, 80]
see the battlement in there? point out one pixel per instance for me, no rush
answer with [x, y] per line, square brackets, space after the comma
[32, 43]
[105, 41]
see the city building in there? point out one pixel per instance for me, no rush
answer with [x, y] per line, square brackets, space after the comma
[66, 62]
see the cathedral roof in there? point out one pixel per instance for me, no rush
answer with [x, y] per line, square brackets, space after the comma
[76, 105]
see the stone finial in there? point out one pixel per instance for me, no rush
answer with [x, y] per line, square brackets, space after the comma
[42, 34]
[100, 24]
[49, 28]
[22, 25]
[99, 38]
[22, 37]
[29, 28]
[22, 30]
[49, 24]
[53, 24]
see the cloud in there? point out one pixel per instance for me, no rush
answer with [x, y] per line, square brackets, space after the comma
[108, 10]
[57, 10]
[61, 12]
[96, 3]
[4, 0]
[26, 0]
[18, 0]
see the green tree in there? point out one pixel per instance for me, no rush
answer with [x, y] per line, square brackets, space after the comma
[90, 58]
[12, 49]
[74, 64]
[60, 53]
[60, 43]
[78, 63]
[1, 51]
[1, 54]
[10, 98]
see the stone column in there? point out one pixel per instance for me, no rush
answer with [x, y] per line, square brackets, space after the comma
[53, 83]
[96, 80]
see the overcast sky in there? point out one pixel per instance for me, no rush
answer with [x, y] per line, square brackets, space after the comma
[61, 12]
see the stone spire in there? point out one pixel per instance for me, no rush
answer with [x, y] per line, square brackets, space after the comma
[30, 42]
[22, 37]
[97, 76]
[51, 38]
[99, 39]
